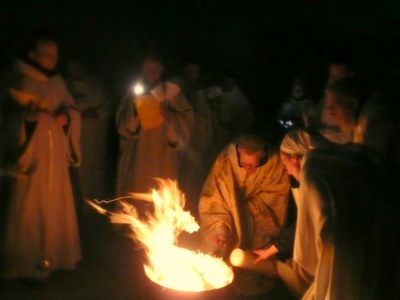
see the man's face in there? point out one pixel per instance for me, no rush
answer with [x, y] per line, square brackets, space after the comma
[336, 109]
[249, 162]
[152, 71]
[45, 54]
[292, 164]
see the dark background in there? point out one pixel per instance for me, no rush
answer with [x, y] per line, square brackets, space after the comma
[265, 44]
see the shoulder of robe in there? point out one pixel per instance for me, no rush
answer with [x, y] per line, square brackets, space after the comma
[172, 90]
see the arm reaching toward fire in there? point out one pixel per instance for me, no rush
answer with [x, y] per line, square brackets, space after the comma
[265, 253]
[216, 221]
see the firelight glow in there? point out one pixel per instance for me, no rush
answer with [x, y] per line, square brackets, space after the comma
[168, 265]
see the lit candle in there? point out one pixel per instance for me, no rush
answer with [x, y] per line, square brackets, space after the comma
[245, 259]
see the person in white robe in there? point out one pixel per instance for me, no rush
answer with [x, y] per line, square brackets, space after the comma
[42, 127]
[233, 113]
[345, 204]
[153, 127]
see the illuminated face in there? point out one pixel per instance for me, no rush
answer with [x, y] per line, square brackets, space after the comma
[46, 55]
[152, 71]
[250, 162]
[292, 164]
[337, 110]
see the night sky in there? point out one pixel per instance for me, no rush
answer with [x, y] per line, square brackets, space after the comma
[266, 44]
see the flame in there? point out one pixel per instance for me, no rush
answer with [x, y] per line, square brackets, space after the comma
[169, 265]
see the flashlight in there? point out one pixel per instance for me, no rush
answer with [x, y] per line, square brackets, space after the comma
[286, 123]
[138, 88]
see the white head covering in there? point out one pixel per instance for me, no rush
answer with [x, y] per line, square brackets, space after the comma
[300, 141]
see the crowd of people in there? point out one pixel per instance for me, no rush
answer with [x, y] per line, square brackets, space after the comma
[316, 200]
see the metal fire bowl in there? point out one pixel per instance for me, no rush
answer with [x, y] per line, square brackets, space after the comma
[158, 292]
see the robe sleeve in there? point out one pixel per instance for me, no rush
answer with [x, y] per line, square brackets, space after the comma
[68, 107]
[128, 122]
[214, 209]
[313, 248]
[300, 273]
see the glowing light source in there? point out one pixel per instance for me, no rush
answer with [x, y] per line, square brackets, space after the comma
[245, 259]
[138, 89]
[169, 265]
[286, 123]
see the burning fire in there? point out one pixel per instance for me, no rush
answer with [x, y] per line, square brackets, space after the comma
[169, 265]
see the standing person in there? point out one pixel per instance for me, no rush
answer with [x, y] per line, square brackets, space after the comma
[298, 110]
[368, 118]
[154, 125]
[192, 170]
[337, 69]
[42, 133]
[232, 112]
[91, 101]
[340, 251]
[244, 203]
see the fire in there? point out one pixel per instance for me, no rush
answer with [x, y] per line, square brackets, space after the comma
[169, 265]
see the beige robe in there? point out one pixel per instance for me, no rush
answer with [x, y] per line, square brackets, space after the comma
[344, 210]
[41, 223]
[229, 193]
[146, 154]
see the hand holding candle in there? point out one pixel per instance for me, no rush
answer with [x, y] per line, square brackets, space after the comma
[265, 253]
[247, 259]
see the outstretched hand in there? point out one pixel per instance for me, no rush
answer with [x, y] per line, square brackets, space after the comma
[265, 253]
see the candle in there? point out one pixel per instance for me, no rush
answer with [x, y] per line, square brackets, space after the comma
[245, 259]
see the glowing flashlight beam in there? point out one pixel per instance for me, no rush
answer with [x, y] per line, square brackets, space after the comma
[138, 89]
